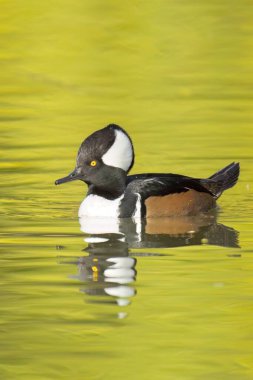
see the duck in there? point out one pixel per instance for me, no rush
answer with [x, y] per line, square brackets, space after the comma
[103, 162]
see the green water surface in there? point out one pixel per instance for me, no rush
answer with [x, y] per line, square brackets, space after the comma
[178, 75]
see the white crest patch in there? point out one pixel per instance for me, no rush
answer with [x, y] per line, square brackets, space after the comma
[120, 154]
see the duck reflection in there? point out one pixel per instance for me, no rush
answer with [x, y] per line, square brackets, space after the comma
[108, 271]
[165, 232]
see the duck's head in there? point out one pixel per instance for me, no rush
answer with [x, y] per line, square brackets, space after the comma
[103, 160]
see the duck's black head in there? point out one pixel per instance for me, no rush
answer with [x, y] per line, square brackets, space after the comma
[103, 161]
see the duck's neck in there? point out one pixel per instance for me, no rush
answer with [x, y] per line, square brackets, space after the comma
[112, 190]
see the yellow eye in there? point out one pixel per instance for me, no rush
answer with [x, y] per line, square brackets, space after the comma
[93, 163]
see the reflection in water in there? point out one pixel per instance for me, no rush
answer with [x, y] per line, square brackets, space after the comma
[165, 232]
[108, 273]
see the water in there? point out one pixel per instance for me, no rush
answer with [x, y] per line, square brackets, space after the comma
[163, 304]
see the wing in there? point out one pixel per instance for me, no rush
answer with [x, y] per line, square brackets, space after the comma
[142, 186]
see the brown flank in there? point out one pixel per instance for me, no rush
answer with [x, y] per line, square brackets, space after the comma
[190, 202]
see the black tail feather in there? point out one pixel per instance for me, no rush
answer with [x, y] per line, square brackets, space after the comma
[225, 178]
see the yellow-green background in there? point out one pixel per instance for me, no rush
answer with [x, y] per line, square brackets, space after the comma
[178, 75]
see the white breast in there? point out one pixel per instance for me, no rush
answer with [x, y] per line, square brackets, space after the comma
[96, 206]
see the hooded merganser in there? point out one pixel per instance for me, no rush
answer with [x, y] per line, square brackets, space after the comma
[103, 162]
